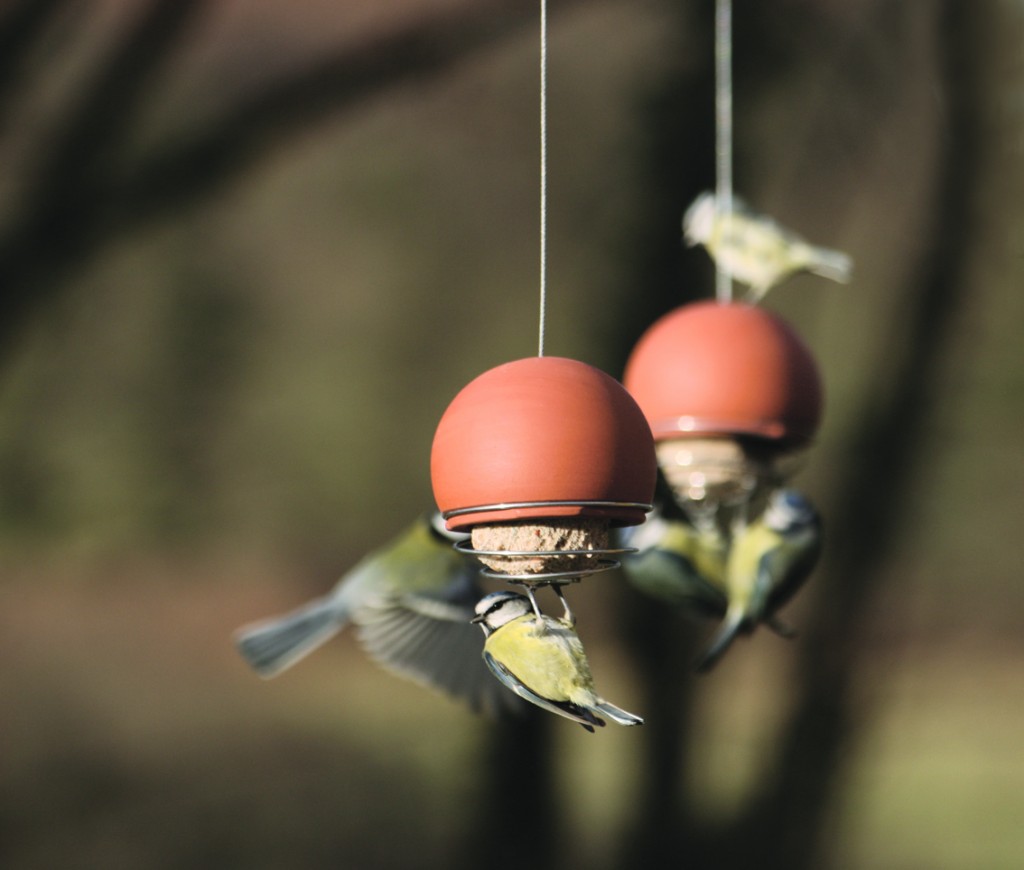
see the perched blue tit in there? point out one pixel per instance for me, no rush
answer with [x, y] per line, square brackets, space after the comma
[412, 602]
[769, 560]
[754, 249]
[541, 659]
[677, 563]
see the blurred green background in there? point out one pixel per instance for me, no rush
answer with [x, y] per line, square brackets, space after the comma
[249, 252]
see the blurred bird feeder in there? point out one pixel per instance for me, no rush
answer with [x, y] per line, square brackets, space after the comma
[732, 395]
[538, 460]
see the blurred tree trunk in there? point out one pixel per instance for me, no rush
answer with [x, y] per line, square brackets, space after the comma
[518, 820]
[678, 164]
[784, 821]
[66, 202]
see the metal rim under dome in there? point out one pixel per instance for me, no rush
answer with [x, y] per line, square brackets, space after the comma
[525, 505]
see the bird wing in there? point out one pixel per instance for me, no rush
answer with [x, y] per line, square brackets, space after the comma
[748, 578]
[778, 574]
[792, 569]
[569, 711]
[428, 638]
[674, 563]
[672, 577]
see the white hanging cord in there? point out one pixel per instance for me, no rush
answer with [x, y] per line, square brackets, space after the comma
[723, 129]
[543, 173]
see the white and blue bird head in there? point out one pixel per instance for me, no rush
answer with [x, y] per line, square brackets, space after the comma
[498, 608]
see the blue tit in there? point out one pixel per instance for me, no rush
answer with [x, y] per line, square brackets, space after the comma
[754, 249]
[677, 562]
[541, 659]
[411, 601]
[769, 560]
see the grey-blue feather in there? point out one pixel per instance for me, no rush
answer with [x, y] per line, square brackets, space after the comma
[411, 602]
[769, 560]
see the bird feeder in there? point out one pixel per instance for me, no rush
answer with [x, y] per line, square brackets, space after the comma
[730, 391]
[538, 460]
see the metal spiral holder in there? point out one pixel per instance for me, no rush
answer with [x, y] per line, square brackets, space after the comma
[601, 561]
[592, 561]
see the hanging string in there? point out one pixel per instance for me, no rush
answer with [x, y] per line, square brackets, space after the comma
[543, 173]
[723, 129]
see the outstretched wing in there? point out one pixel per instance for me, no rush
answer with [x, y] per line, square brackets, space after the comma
[677, 564]
[428, 638]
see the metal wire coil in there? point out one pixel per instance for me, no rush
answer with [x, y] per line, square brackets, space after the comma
[598, 562]
[518, 505]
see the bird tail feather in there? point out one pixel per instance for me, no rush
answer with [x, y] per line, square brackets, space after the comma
[618, 715]
[274, 645]
[782, 629]
[722, 639]
[834, 265]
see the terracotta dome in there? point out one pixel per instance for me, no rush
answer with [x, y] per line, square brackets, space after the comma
[543, 429]
[726, 369]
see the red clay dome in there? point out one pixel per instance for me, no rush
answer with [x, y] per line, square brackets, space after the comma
[543, 429]
[726, 369]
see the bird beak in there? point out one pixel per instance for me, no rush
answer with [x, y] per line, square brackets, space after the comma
[476, 620]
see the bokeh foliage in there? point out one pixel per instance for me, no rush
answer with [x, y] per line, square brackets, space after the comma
[249, 252]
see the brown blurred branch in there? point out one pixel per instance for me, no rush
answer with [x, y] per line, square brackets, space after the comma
[517, 820]
[678, 163]
[871, 512]
[411, 55]
[81, 198]
[784, 822]
[21, 25]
